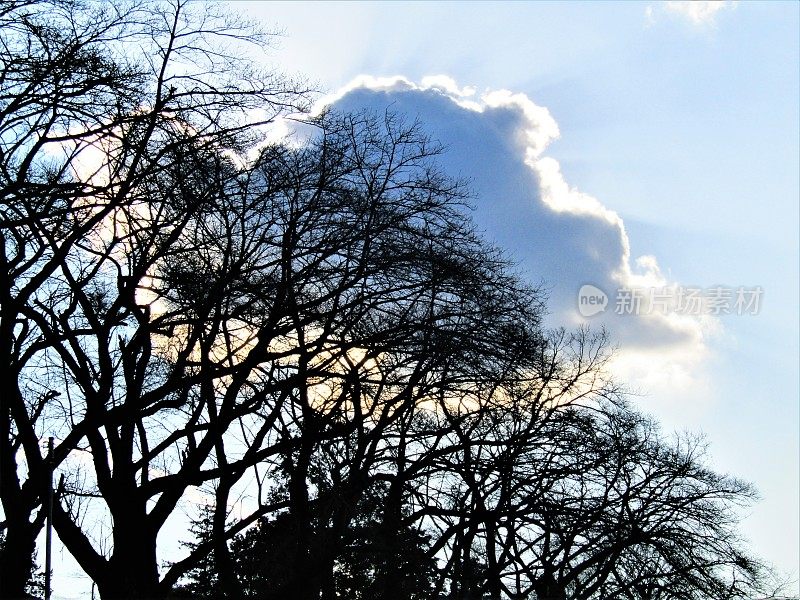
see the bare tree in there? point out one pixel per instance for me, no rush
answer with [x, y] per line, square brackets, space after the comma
[389, 299]
[196, 313]
[296, 330]
[605, 507]
[98, 103]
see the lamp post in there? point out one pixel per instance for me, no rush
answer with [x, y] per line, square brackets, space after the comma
[49, 531]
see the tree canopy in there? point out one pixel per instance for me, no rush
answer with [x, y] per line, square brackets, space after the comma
[304, 342]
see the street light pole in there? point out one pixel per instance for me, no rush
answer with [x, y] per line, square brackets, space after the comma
[49, 532]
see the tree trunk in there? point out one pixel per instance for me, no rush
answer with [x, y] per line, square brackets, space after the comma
[547, 588]
[132, 574]
[304, 581]
[388, 578]
[493, 569]
[229, 586]
[16, 557]
[132, 570]
[328, 583]
[16, 553]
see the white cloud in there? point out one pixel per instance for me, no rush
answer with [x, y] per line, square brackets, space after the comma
[697, 12]
[560, 235]
[649, 15]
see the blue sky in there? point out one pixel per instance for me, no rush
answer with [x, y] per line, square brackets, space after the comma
[683, 123]
[679, 126]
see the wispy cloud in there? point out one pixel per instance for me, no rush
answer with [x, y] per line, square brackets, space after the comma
[696, 12]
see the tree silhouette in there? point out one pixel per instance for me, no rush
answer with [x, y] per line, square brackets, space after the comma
[103, 108]
[308, 333]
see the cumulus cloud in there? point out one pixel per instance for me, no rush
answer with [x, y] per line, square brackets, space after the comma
[560, 236]
[697, 12]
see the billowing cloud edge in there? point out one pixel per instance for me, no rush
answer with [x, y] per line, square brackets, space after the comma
[670, 369]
